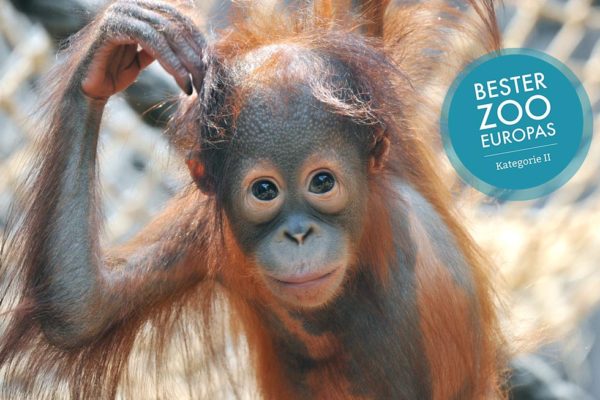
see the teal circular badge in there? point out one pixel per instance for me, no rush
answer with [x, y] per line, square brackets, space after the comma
[516, 124]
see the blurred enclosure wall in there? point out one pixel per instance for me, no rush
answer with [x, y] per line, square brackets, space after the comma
[548, 250]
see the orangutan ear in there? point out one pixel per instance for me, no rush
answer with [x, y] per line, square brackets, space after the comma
[198, 171]
[379, 151]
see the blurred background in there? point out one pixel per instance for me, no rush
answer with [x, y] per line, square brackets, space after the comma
[547, 250]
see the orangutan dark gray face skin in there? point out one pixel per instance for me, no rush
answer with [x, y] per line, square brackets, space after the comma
[296, 194]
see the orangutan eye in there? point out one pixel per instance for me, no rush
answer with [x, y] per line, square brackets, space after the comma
[265, 190]
[322, 182]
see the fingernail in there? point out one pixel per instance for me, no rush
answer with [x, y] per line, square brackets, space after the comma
[198, 84]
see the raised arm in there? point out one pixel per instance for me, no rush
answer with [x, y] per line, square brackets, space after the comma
[78, 290]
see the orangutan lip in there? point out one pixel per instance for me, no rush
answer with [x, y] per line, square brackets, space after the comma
[305, 280]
